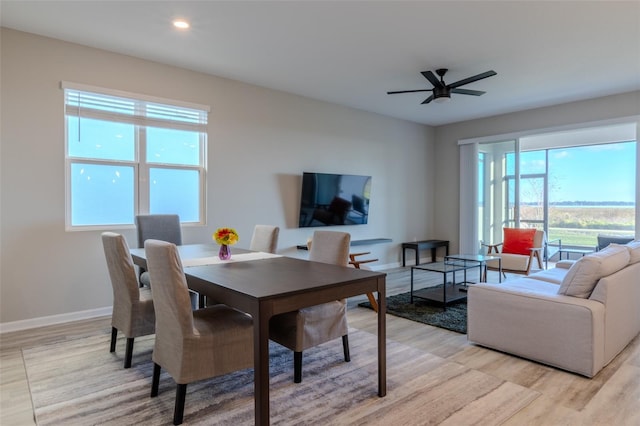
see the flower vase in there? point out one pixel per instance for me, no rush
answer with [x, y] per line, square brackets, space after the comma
[225, 252]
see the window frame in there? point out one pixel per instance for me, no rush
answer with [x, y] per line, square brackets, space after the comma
[141, 167]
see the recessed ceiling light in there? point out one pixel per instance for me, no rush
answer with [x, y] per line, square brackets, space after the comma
[181, 24]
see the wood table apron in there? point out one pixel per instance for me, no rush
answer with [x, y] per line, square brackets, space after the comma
[267, 287]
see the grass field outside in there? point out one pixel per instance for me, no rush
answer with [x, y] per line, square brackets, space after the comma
[580, 226]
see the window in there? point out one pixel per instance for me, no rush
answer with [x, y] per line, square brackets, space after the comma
[129, 154]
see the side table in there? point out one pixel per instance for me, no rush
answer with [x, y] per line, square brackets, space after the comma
[423, 245]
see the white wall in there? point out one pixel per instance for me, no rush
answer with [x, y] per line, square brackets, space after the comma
[260, 142]
[447, 207]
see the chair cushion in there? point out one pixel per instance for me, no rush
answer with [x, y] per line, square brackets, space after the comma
[587, 271]
[518, 241]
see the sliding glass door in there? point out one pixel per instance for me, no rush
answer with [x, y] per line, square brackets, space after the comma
[572, 193]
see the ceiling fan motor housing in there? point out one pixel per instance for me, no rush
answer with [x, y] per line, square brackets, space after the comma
[441, 92]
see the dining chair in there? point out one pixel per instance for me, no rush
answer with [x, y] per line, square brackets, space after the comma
[133, 312]
[191, 345]
[163, 227]
[265, 238]
[312, 326]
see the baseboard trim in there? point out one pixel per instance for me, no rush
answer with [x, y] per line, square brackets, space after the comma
[8, 327]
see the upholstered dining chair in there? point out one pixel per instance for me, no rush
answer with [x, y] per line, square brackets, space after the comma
[133, 312]
[312, 326]
[265, 238]
[163, 227]
[191, 345]
[518, 250]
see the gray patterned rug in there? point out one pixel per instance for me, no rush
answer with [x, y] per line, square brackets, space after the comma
[453, 318]
[78, 382]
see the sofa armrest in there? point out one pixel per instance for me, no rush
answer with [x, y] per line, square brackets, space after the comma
[619, 293]
[562, 331]
[565, 264]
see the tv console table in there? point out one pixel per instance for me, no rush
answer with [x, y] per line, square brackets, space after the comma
[423, 245]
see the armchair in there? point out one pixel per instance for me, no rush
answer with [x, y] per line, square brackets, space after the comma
[356, 264]
[520, 247]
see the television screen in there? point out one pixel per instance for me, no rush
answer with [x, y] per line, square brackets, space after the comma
[333, 199]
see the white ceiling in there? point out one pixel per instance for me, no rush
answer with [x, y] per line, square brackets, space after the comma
[353, 52]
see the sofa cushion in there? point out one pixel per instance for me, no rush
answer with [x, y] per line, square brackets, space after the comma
[518, 241]
[585, 273]
[634, 250]
[553, 275]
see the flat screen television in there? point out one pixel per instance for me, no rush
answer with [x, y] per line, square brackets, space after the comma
[334, 199]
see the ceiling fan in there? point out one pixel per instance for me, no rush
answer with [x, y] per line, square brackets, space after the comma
[441, 92]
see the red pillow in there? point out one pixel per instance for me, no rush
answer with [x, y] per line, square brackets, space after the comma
[518, 241]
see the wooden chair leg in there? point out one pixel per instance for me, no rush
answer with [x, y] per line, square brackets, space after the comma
[178, 412]
[128, 353]
[155, 382]
[345, 347]
[297, 367]
[114, 338]
[372, 300]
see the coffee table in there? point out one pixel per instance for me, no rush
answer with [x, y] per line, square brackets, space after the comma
[478, 261]
[450, 291]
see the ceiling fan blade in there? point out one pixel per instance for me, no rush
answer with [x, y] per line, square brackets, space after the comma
[432, 78]
[426, 101]
[408, 91]
[472, 79]
[468, 92]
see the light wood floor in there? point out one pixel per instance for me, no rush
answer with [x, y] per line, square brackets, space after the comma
[610, 398]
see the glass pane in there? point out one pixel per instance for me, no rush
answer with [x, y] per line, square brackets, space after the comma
[592, 191]
[101, 195]
[532, 200]
[99, 139]
[170, 146]
[532, 162]
[497, 188]
[175, 192]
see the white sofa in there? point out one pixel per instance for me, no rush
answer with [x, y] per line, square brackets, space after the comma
[577, 316]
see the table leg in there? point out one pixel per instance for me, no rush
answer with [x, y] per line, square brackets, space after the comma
[261, 366]
[410, 291]
[382, 337]
[444, 287]
[433, 254]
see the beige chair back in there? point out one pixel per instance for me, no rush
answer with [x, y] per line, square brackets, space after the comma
[129, 315]
[330, 247]
[265, 238]
[174, 318]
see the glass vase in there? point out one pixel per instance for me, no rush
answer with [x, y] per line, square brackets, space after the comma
[225, 252]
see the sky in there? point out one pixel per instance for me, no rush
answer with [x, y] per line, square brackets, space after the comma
[588, 173]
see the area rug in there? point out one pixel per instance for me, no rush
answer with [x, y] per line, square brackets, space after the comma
[78, 382]
[453, 318]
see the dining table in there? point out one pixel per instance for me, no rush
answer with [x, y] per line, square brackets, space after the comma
[263, 285]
